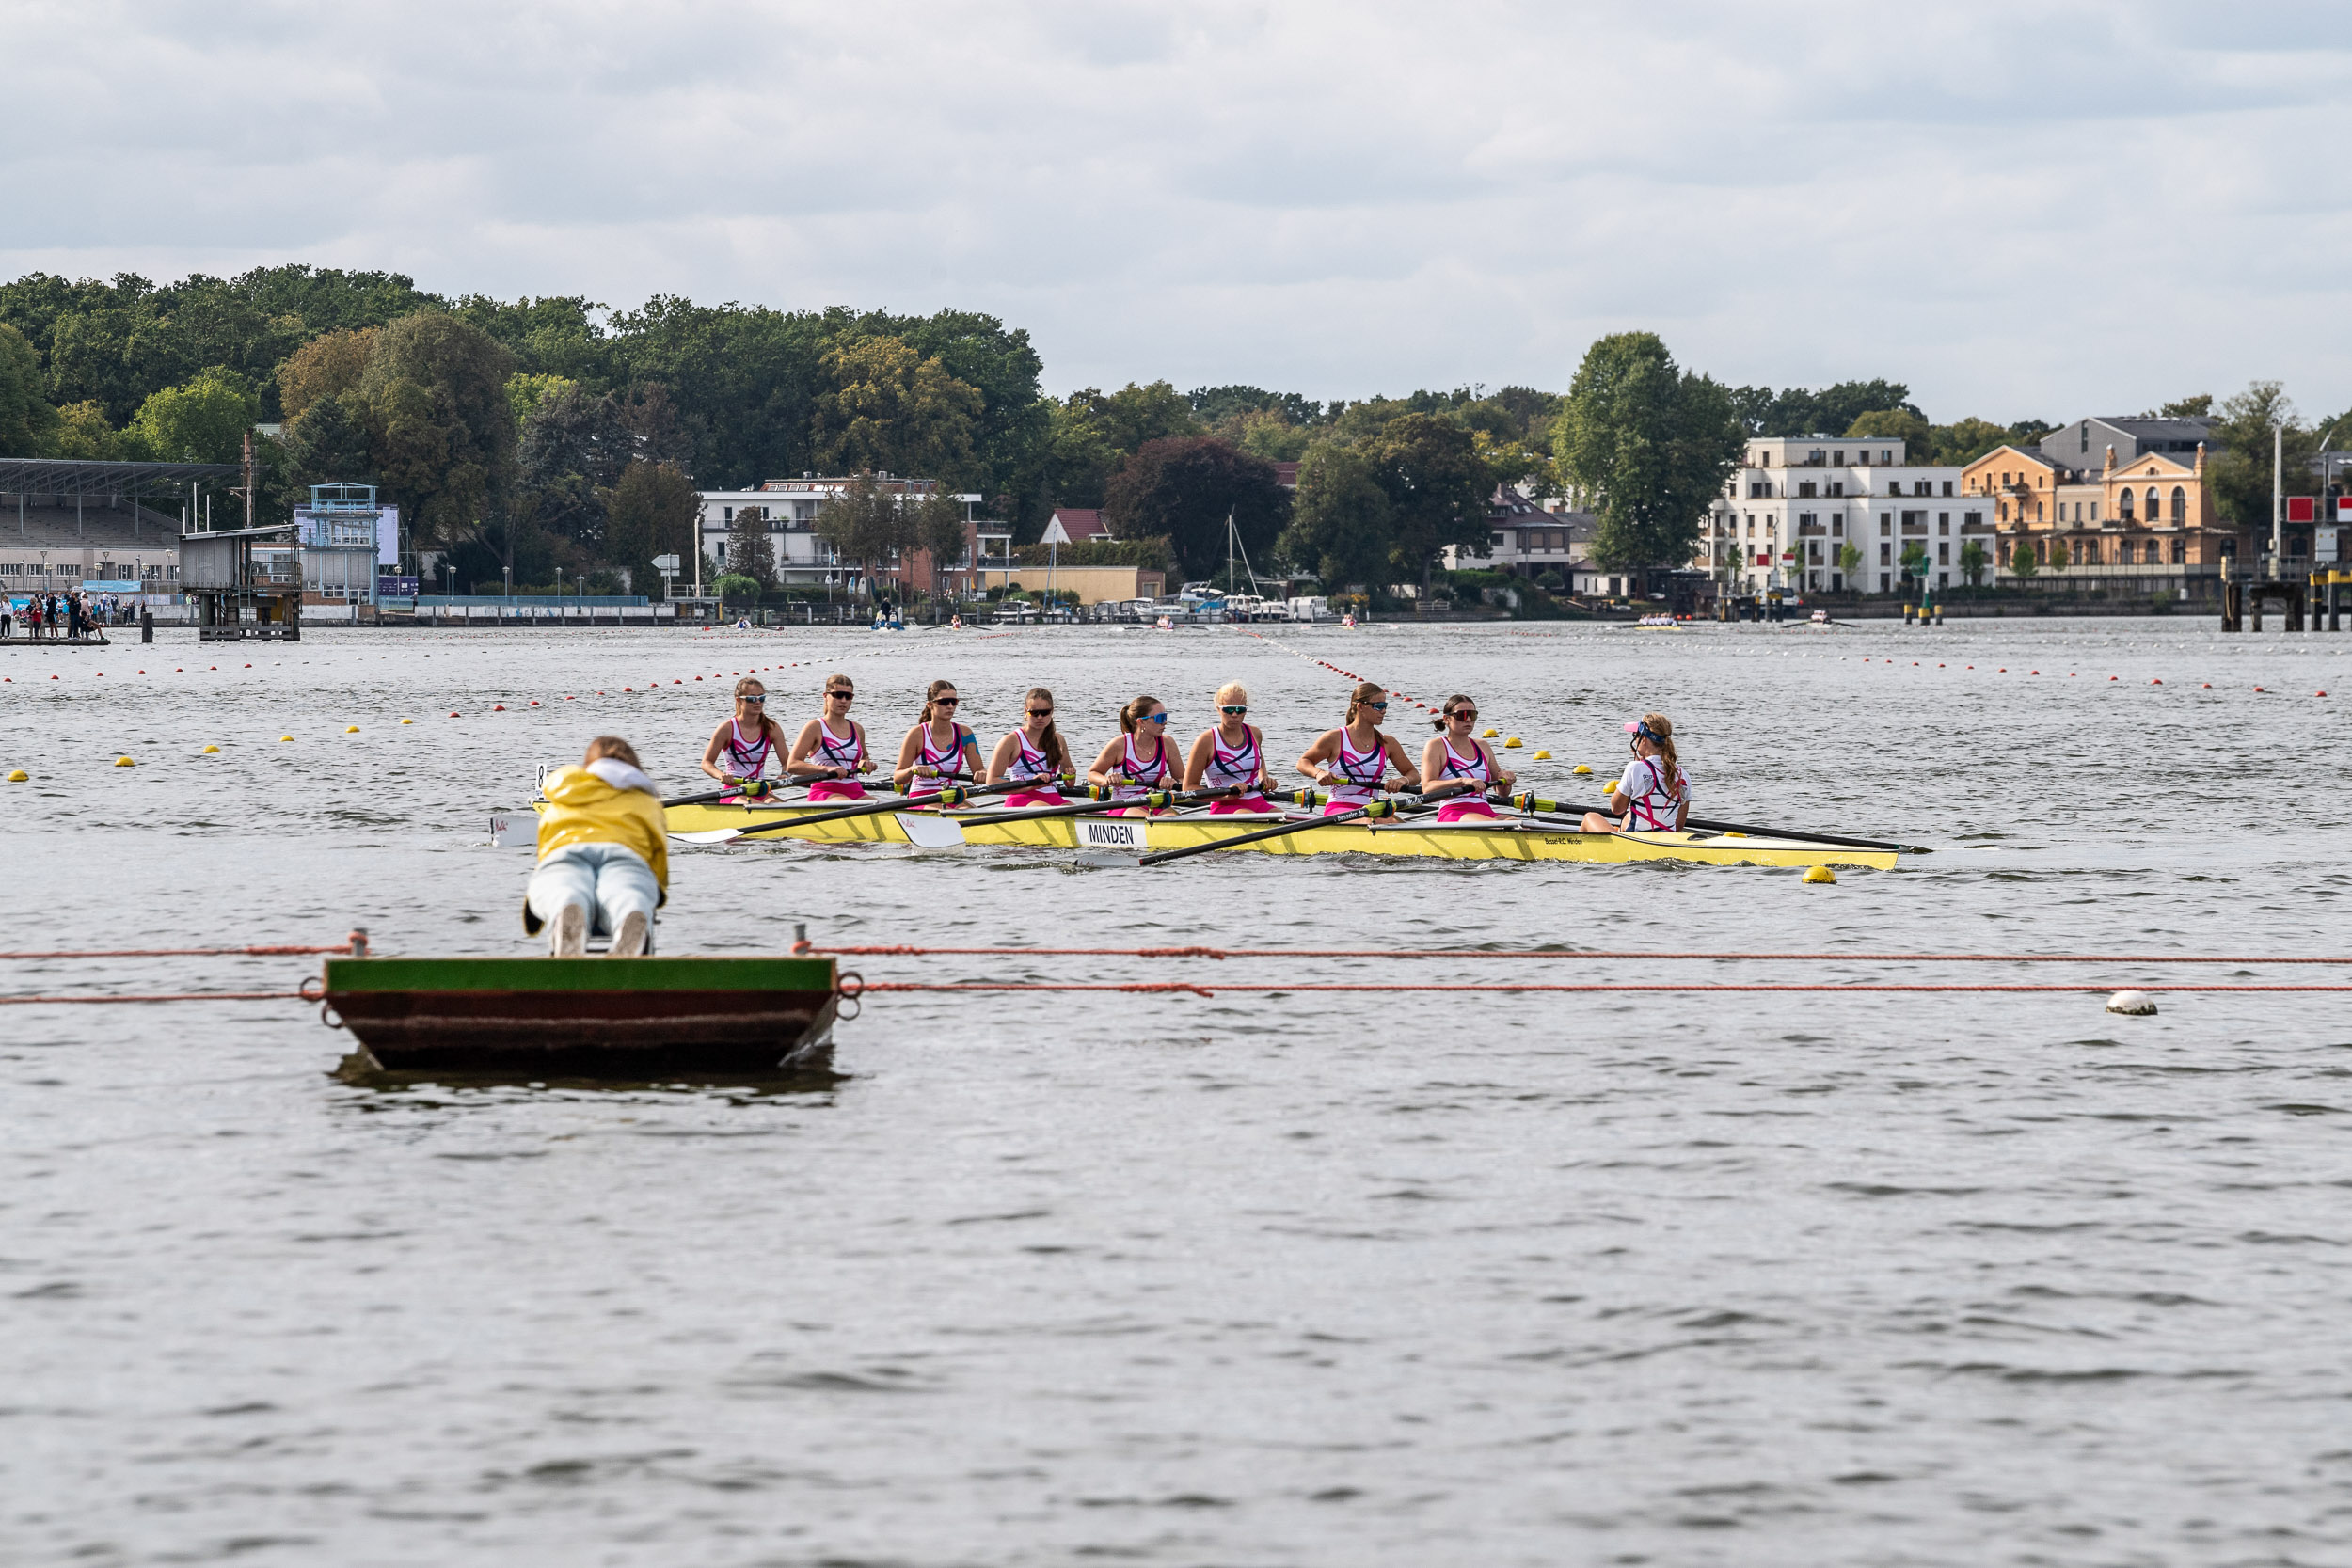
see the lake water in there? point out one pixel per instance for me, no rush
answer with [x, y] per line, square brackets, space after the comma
[1333, 1279]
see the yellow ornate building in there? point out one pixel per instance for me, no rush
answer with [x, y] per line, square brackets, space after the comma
[2136, 526]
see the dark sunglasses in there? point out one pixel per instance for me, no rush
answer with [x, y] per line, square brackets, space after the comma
[1041, 713]
[752, 697]
[1243, 708]
[1155, 718]
[1382, 707]
[841, 696]
[945, 702]
[1462, 713]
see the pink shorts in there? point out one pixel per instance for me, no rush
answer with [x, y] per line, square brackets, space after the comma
[835, 789]
[1333, 808]
[1247, 802]
[1458, 811]
[1035, 797]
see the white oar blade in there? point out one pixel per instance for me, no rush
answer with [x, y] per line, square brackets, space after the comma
[708, 835]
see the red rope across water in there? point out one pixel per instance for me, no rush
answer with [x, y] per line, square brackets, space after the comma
[1223, 953]
[851, 985]
[177, 996]
[277, 952]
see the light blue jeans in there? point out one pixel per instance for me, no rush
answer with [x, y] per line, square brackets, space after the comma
[607, 879]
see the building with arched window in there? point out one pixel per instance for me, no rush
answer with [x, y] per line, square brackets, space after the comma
[2129, 526]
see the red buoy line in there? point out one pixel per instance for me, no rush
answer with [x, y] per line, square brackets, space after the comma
[896, 950]
[852, 986]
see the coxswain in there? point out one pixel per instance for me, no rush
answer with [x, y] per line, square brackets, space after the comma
[938, 751]
[740, 747]
[1356, 760]
[1035, 752]
[1133, 772]
[1230, 756]
[1654, 795]
[1459, 765]
[832, 752]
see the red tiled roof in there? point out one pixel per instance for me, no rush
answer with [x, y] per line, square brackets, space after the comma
[1082, 523]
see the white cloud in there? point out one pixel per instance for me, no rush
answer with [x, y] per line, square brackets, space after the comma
[2020, 208]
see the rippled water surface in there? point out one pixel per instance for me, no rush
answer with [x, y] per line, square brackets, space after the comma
[1333, 1278]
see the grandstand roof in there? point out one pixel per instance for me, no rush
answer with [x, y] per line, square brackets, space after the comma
[71, 476]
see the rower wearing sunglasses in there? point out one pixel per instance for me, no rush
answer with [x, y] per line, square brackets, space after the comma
[938, 752]
[740, 747]
[1356, 760]
[1654, 795]
[1034, 752]
[1231, 756]
[1460, 766]
[1134, 771]
[832, 751]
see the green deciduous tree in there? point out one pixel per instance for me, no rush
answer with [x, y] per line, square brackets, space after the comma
[886, 408]
[2057, 557]
[942, 534]
[83, 431]
[867, 525]
[1963, 441]
[1339, 527]
[1183, 489]
[1651, 444]
[203, 421]
[650, 511]
[2240, 476]
[1437, 486]
[1973, 560]
[28, 423]
[1897, 424]
[328, 366]
[434, 397]
[328, 445]
[2023, 561]
[1798, 411]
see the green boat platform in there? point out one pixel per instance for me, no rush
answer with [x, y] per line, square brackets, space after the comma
[639, 1019]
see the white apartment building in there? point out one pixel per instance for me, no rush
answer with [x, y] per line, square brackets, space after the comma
[789, 508]
[1798, 503]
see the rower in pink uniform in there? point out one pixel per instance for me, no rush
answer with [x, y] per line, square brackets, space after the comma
[1356, 761]
[740, 748]
[938, 752]
[1231, 756]
[1461, 764]
[1133, 772]
[832, 751]
[1654, 795]
[1033, 753]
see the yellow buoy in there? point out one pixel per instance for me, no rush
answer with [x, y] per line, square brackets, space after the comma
[351, 729]
[1543, 756]
[1511, 744]
[285, 737]
[211, 750]
[1488, 735]
[1584, 767]
[18, 775]
[1820, 874]
[408, 720]
[123, 762]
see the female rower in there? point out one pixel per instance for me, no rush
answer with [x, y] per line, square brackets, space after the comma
[1458, 763]
[1132, 772]
[735, 757]
[1654, 795]
[1231, 756]
[937, 751]
[1357, 759]
[1033, 751]
[832, 751]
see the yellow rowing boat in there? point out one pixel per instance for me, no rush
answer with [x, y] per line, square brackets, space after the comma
[1506, 838]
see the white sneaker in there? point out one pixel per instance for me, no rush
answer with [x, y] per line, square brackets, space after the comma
[569, 932]
[629, 940]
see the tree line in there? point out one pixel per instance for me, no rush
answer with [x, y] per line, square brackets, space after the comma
[549, 434]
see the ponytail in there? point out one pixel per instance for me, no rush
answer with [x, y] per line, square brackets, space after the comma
[1056, 754]
[1132, 715]
[937, 687]
[1661, 733]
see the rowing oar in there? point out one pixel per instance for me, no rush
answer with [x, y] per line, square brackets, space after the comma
[1099, 800]
[863, 808]
[1535, 807]
[1374, 808]
[750, 790]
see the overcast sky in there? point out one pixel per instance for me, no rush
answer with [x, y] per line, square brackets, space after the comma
[2020, 208]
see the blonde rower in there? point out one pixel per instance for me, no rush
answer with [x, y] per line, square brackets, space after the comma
[1033, 751]
[938, 751]
[1654, 795]
[1231, 754]
[1358, 759]
[740, 747]
[1131, 770]
[1456, 757]
[832, 749]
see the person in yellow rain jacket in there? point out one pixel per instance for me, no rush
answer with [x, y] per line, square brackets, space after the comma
[604, 859]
